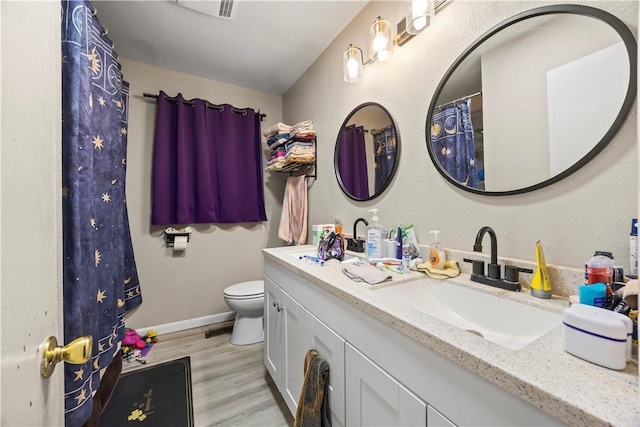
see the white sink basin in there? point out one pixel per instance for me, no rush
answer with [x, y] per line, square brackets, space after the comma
[507, 323]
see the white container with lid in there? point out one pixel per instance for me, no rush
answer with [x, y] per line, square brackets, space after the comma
[597, 335]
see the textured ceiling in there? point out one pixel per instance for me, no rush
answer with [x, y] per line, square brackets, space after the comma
[267, 45]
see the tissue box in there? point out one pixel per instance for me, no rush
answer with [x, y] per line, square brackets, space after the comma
[319, 231]
[597, 335]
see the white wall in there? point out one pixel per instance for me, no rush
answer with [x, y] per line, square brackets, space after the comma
[590, 210]
[515, 94]
[190, 285]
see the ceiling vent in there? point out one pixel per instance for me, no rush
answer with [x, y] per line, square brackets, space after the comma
[223, 9]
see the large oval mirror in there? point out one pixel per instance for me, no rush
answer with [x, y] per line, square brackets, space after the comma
[367, 152]
[532, 100]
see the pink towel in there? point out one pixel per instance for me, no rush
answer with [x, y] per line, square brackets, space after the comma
[293, 222]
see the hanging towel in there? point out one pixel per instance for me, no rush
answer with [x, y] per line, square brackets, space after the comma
[293, 222]
[313, 406]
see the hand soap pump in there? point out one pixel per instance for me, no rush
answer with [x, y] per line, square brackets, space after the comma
[375, 234]
[436, 253]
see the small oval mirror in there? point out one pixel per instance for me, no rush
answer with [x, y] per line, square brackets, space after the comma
[532, 100]
[367, 152]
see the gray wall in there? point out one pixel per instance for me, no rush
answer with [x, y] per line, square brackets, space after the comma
[588, 211]
[190, 284]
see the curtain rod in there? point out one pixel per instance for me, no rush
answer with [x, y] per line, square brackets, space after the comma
[209, 105]
[473, 95]
[355, 126]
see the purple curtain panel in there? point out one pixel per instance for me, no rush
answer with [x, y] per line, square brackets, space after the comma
[207, 164]
[352, 162]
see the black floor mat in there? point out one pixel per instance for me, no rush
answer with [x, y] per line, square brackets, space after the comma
[159, 396]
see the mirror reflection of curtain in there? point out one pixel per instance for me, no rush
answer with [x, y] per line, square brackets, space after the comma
[453, 143]
[385, 148]
[352, 161]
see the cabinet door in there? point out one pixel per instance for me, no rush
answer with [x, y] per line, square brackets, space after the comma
[273, 325]
[436, 419]
[330, 346]
[297, 338]
[374, 398]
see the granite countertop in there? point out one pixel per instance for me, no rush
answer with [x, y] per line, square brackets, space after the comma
[570, 389]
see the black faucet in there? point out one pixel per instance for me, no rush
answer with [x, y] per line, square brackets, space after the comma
[493, 270]
[355, 244]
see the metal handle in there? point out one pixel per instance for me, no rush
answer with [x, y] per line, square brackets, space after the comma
[76, 352]
[275, 303]
[280, 308]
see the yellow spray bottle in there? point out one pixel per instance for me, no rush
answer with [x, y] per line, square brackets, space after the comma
[540, 284]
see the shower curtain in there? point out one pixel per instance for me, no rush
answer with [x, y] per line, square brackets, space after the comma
[207, 163]
[100, 280]
[453, 144]
[352, 161]
[385, 149]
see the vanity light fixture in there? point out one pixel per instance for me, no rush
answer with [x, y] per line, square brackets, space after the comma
[381, 45]
[421, 15]
[380, 39]
[352, 64]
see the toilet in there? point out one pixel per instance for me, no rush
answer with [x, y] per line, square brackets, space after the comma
[247, 300]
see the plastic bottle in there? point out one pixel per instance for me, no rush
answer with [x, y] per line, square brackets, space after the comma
[338, 228]
[599, 269]
[436, 253]
[399, 245]
[406, 256]
[375, 234]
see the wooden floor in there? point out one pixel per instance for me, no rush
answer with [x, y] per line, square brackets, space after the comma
[231, 386]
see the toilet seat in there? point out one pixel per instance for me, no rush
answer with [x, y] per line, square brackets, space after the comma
[245, 290]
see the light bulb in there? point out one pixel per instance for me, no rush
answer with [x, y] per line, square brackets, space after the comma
[383, 55]
[418, 7]
[379, 42]
[352, 67]
[420, 23]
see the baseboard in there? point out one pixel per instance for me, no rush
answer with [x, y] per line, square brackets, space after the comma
[182, 325]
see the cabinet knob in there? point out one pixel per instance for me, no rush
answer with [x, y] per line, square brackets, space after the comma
[275, 303]
[280, 307]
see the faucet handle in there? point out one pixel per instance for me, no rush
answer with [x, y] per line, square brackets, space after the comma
[493, 271]
[477, 266]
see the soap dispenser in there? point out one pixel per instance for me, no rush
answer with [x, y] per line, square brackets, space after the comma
[375, 235]
[436, 253]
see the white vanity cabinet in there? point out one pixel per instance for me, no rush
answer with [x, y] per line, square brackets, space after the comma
[378, 375]
[291, 331]
[374, 398]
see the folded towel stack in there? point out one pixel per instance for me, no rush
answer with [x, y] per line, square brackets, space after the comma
[290, 144]
[277, 128]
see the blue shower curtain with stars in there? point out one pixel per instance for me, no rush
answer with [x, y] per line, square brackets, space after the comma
[100, 280]
[386, 154]
[453, 143]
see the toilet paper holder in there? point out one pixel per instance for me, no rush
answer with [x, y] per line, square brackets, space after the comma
[170, 234]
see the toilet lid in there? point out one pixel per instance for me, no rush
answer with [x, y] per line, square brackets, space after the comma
[245, 289]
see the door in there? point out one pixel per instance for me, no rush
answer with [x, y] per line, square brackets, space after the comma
[297, 339]
[30, 212]
[374, 398]
[330, 346]
[273, 325]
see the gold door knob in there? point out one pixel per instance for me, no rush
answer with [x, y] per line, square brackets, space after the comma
[76, 352]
